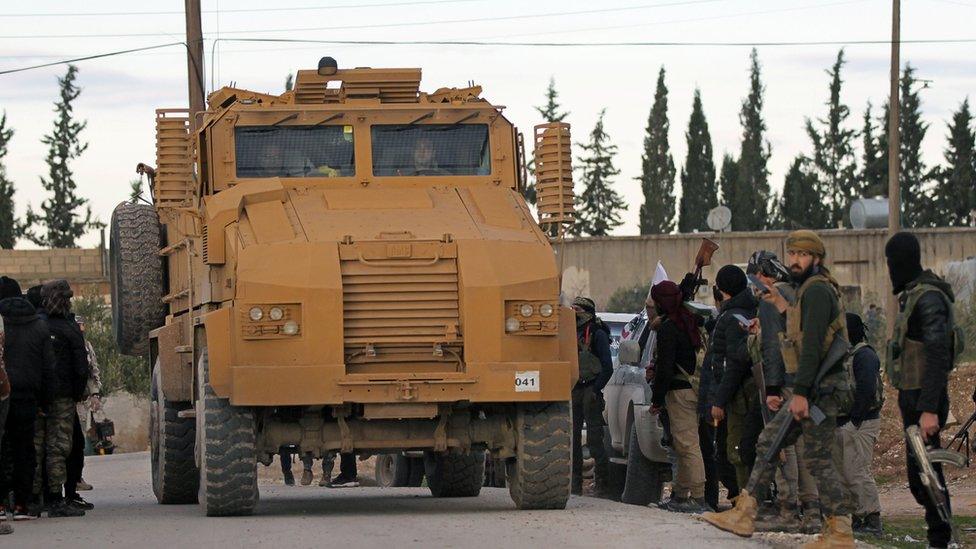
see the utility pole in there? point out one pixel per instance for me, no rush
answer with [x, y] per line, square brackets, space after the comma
[194, 59]
[894, 143]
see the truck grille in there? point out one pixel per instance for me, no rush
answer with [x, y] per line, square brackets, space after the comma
[401, 313]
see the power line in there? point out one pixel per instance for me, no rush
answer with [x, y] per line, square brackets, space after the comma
[238, 10]
[88, 57]
[398, 24]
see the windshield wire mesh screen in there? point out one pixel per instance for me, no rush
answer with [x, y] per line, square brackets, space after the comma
[294, 151]
[429, 149]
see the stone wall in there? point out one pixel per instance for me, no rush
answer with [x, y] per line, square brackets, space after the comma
[130, 413]
[85, 268]
[598, 266]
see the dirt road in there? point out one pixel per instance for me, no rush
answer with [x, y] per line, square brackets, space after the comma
[126, 515]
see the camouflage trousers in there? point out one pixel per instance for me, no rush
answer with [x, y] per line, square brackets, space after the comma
[52, 445]
[817, 452]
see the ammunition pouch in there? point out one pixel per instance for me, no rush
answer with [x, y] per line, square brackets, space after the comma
[589, 366]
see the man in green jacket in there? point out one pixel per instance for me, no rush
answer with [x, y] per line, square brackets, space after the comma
[813, 322]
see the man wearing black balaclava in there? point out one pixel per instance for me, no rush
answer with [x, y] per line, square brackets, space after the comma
[921, 355]
[596, 367]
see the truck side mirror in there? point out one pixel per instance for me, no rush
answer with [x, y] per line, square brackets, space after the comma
[554, 177]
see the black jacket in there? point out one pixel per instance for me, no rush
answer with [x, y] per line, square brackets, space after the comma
[929, 324]
[71, 369]
[731, 364]
[866, 368]
[599, 346]
[28, 352]
[706, 376]
[674, 350]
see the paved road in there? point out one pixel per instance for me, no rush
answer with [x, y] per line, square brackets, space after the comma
[126, 515]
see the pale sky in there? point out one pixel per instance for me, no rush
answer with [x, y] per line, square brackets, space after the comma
[121, 93]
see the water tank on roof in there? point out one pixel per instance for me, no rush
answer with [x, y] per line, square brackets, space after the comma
[869, 213]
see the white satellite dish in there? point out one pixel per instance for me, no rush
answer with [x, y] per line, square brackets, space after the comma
[719, 219]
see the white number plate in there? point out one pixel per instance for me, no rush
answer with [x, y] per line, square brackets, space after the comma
[527, 382]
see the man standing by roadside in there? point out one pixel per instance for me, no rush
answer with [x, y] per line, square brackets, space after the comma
[920, 356]
[596, 367]
[4, 406]
[858, 432]
[29, 359]
[813, 323]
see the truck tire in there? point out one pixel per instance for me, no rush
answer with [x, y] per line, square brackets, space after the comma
[617, 476]
[539, 474]
[409, 471]
[136, 273]
[386, 471]
[175, 478]
[454, 475]
[644, 483]
[228, 452]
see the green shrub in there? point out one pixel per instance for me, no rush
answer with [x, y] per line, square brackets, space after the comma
[627, 300]
[119, 372]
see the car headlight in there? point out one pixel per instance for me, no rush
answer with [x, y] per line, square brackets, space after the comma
[276, 313]
[255, 314]
[546, 310]
[526, 310]
[512, 324]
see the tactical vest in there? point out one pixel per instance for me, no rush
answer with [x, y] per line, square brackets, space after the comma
[878, 399]
[791, 341]
[905, 364]
[589, 363]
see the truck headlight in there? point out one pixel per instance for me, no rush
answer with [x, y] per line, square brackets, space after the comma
[270, 320]
[531, 317]
[545, 310]
[276, 313]
[255, 314]
[512, 324]
[290, 328]
[526, 310]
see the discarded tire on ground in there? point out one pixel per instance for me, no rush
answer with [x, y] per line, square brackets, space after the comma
[228, 452]
[175, 477]
[539, 475]
[136, 272]
[454, 475]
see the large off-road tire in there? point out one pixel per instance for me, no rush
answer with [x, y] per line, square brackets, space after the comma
[539, 475]
[386, 471]
[228, 452]
[136, 273]
[616, 472]
[408, 471]
[454, 475]
[175, 477]
[645, 478]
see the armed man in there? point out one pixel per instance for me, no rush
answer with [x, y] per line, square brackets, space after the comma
[920, 357]
[813, 346]
[596, 367]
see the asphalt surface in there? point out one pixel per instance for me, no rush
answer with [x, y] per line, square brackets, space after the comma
[126, 515]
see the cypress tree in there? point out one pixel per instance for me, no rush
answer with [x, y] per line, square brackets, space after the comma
[801, 205]
[550, 112]
[955, 192]
[833, 152]
[8, 221]
[699, 192]
[62, 224]
[750, 201]
[728, 181]
[599, 206]
[873, 174]
[657, 167]
[917, 208]
[289, 82]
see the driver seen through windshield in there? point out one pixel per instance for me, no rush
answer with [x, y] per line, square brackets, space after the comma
[430, 150]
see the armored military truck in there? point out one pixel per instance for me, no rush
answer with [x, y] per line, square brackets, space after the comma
[348, 266]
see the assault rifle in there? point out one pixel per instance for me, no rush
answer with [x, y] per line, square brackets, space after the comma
[930, 480]
[759, 377]
[837, 352]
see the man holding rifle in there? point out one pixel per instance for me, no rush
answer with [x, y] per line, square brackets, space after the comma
[814, 346]
[920, 356]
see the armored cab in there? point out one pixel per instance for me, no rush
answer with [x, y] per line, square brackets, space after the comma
[348, 267]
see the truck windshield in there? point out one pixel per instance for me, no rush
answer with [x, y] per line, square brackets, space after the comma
[430, 149]
[294, 151]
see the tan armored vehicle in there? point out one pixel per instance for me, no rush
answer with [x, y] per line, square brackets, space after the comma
[348, 267]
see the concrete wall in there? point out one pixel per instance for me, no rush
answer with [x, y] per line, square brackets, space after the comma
[598, 266]
[130, 413]
[85, 269]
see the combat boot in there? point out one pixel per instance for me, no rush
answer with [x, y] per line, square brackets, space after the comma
[306, 477]
[740, 519]
[785, 519]
[289, 478]
[836, 534]
[870, 524]
[811, 522]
